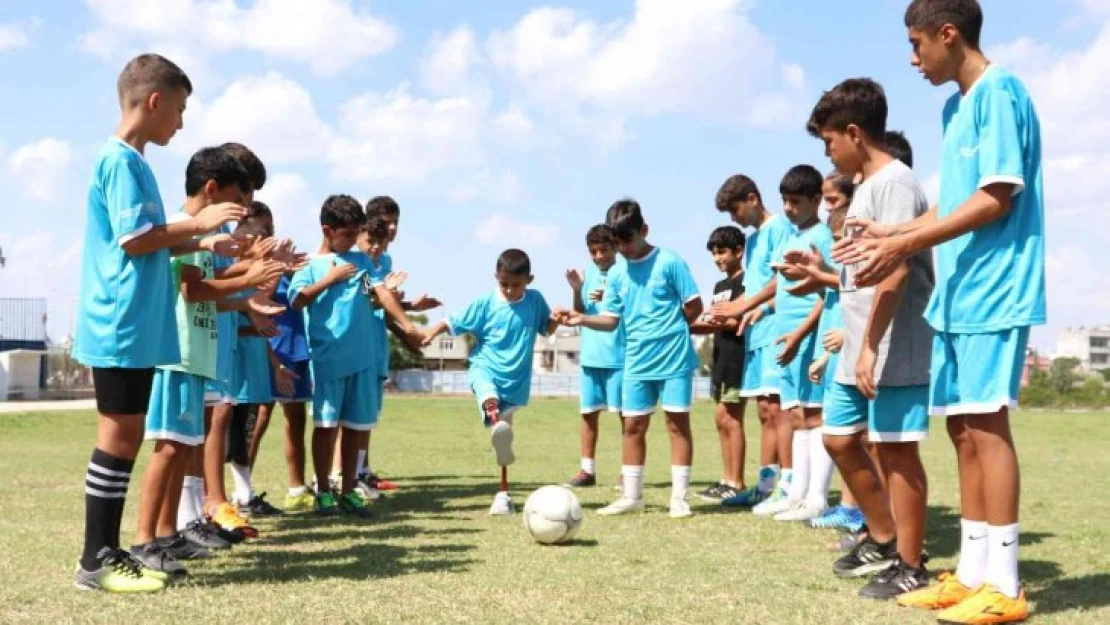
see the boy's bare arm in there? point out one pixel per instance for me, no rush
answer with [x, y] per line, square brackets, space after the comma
[178, 233]
[692, 310]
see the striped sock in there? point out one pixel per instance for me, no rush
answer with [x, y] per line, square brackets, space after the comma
[106, 481]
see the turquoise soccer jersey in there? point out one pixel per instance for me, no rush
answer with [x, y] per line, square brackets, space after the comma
[648, 297]
[378, 272]
[340, 322]
[993, 278]
[791, 310]
[600, 350]
[126, 311]
[764, 247]
[506, 338]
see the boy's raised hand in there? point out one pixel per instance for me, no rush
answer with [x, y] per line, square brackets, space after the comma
[567, 317]
[395, 279]
[260, 248]
[749, 319]
[425, 302]
[574, 279]
[261, 303]
[213, 216]
[339, 273]
[223, 244]
[262, 271]
[263, 324]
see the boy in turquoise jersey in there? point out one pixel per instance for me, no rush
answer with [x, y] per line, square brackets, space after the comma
[656, 299]
[125, 315]
[175, 417]
[987, 236]
[505, 323]
[601, 354]
[334, 291]
[740, 198]
[796, 318]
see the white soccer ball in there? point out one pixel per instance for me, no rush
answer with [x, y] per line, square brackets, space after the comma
[552, 515]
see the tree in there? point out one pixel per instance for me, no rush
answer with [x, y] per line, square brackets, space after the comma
[1105, 374]
[400, 356]
[1063, 376]
[705, 356]
[1038, 393]
[1091, 393]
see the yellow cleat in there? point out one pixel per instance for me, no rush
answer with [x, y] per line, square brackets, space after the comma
[946, 594]
[986, 606]
[299, 503]
[227, 516]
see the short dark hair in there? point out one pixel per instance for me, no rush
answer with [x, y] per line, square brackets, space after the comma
[931, 15]
[250, 161]
[341, 211]
[725, 237]
[147, 74]
[859, 101]
[252, 227]
[898, 146]
[383, 205]
[259, 210]
[625, 219]
[514, 262]
[599, 235]
[842, 182]
[377, 227]
[736, 189]
[214, 164]
[802, 180]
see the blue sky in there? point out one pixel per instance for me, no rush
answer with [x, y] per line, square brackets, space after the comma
[499, 124]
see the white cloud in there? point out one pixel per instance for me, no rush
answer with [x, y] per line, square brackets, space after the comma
[39, 168]
[503, 187]
[501, 228]
[448, 64]
[296, 209]
[327, 35]
[17, 34]
[272, 114]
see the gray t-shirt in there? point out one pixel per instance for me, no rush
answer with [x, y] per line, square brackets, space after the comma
[891, 196]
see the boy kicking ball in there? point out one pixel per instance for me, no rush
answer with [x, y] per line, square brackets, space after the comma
[505, 322]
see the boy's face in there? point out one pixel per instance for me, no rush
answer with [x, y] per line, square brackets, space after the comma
[214, 194]
[340, 240]
[842, 148]
[727, 260]
[393, 221]
[636, 247]
[834, 199]
[166, 110]
[511, 286]
[800, 209]
[930, 53]
[603, 255]
[745, 213]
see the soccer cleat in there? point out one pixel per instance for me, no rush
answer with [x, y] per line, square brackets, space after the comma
[941, 596]
[502, 503]
[227, 517]
[845, 543]
[201, 535]
[352, 504]
[868, 557]
[118, 573]
[582, 480]
[326, 504]
[800, 511]
[231, 537]
[366, 491]
[713, 493]
[501, 437]
[299, 503]
[379, 483]
[180, 549]
[258, 506]
[896, 579]
[839, 517]
[746, 498]
[680, 509]
[778, 502]
[154, 558]
[622, 505]
[986, 606]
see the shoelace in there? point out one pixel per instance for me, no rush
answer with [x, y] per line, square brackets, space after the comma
[125, 564]
[202, 529]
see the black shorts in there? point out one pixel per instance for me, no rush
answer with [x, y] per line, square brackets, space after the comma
[122, 391]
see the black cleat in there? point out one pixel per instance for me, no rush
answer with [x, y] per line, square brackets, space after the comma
[582, 480]
[866, 558]
[895, 580]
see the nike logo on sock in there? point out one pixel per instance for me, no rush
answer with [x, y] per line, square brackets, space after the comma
[977, 537]
[1007, 544]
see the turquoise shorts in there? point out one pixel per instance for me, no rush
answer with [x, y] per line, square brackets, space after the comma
[898, 414]
[348, 402]
[796, 388]
[976, 373]
[761, 373]
[253, 368]
[639, 397]
[486, 389]
[600, 389]
[176, 409]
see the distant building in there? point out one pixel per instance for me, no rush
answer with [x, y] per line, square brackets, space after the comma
[558, 353]
[1034, 361]
[446, 353]
[1090, 346]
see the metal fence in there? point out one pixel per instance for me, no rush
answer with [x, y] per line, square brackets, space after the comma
[22, 320]
[543, 384]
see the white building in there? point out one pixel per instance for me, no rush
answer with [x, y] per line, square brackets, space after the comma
[558, 353]
[1091, 346]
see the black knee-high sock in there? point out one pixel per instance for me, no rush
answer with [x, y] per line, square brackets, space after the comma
[106, 481]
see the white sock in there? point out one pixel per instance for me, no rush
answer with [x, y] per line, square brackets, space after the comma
[187, 510]
[800, 483]
[198, 494]
[680, 481]
[768, 476]
[589, 466]
[241, 475]
[633, 478]
[297, 491]
[786, 479]
[972, 568]
[820, 471]
[1002, 559]
[361, 463]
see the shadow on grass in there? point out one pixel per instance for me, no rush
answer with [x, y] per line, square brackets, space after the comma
[1088, 592]
[942, 532]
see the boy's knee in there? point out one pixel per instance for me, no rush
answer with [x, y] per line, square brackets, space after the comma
[841, 446]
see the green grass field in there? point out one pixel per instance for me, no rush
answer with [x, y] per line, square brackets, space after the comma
[433, 555]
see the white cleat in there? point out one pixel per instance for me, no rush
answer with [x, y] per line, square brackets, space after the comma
[801, 511]
[502, 504]
[622, 506]
[680, 509]
[501, 437]
[368, 493]
[778, 502]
